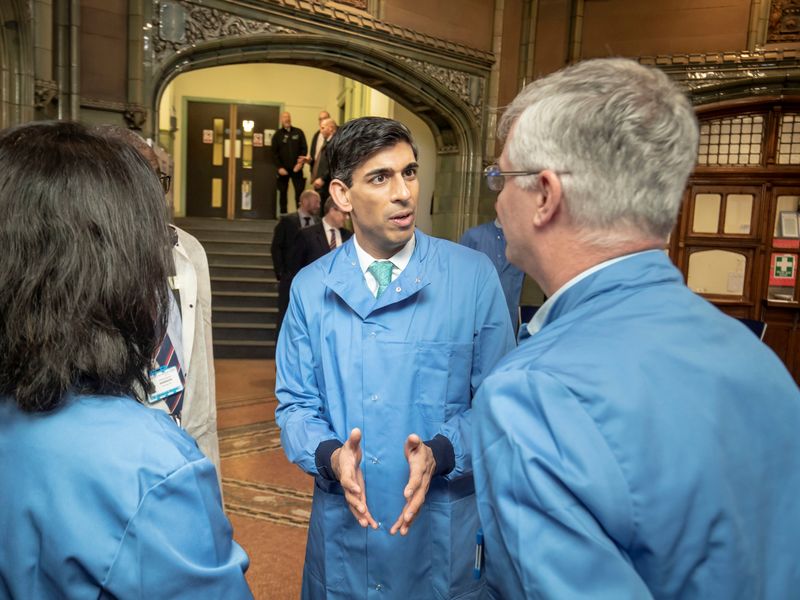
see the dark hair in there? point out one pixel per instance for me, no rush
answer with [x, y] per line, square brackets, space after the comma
[85, 261]
[357, 140]
[329, 204]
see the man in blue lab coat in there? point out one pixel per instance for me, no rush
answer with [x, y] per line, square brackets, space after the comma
[384, 343]
[640, 443]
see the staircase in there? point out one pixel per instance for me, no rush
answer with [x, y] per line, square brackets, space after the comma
[244, 291]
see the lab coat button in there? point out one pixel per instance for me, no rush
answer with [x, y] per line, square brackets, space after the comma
[375, 460]
[378, 587]
[374, 397]
[398, 289]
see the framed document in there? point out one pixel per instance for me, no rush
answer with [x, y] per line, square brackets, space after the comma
[789, 225]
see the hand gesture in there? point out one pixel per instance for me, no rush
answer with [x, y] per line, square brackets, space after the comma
[282, 172]
[346, 464]
[421, 466]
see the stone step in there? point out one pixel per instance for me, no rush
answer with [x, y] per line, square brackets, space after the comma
[235, 247]
[218, 259]
[226, 349]
[217, 235]
[244, 284]
[244, 299]
[254, 332]
[243, 271]
[216, 224]
[244, 314]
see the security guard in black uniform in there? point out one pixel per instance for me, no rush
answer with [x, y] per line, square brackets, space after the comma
[289, 149]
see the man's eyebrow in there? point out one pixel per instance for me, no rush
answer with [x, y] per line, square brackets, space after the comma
[379, 171]
[388, 172]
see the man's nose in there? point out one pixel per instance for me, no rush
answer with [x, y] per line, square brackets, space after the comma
[400, 190]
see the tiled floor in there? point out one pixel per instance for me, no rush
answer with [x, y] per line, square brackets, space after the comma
[267, 499]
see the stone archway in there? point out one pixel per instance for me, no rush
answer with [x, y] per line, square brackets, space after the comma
[16, 63]
[445, 89]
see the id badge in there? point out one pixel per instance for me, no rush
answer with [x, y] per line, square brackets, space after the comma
[166, 381]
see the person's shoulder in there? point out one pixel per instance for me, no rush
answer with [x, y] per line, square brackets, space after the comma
[309, 279]
[462, 255]
[290, 219]
[114, 431]
[190, 243]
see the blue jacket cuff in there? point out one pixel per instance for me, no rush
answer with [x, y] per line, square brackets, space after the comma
[322, 458]
[443, 454]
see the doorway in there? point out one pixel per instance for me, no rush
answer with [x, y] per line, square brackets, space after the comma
[230, 172]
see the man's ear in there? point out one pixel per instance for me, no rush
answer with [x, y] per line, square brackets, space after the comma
[339, 192]
[548, 201]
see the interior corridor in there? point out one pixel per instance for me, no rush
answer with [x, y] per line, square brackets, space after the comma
[267, 499]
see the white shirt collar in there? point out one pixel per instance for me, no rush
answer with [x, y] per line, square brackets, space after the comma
[399, 260]
[536, 323]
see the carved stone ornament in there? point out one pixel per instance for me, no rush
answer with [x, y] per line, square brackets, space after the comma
[135, 117]
[462, 84]
[362, 4]
[44, 92]
[784, 21]
[719, 76]
[205, 24]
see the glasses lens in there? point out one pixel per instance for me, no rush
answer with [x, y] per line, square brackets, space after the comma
[494, 179]
[166, 181]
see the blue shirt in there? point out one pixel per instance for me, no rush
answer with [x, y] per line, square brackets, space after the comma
[489, 239]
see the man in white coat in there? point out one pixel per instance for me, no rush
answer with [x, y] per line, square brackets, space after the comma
[190, 321]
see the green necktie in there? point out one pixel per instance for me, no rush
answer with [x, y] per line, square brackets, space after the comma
[382, 272]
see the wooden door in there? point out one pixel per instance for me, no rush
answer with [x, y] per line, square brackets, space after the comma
[229, 169]
[206, 165]
[255, 172]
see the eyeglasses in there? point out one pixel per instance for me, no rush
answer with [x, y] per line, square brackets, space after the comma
[496, 179]
[166, 181]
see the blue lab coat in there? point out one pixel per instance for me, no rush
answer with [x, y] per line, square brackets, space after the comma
[105, 498]
[641, 444]
[489, 239]
[408, 362]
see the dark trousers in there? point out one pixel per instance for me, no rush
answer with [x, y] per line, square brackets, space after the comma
[298, 181]
[284, 287]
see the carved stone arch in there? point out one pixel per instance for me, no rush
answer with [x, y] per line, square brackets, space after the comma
[16, 63]
[447, 93]
[404, 80]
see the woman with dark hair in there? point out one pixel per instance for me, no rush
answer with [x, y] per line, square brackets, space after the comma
[101, 497]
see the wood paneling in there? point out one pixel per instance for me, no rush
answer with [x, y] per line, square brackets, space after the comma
[624, 28]
[467, 22]
[552, 36]
[512, 38]
[104, 54]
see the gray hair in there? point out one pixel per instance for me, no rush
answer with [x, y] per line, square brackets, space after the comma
[624, 132]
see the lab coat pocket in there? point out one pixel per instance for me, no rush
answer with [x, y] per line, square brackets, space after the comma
[454, 524]
[442, 386]
[432, 366]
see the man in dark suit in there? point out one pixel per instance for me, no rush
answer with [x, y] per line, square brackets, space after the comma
[318, 240]
[289, 150]
[285, 236]
[317, 141]
[321, 172]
